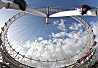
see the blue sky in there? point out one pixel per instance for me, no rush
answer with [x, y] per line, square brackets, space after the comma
[33, 37]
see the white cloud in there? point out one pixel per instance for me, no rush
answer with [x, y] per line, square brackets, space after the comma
[60, 34]
[61, 25]
[75, 26]
[55, 22]
[40, 38]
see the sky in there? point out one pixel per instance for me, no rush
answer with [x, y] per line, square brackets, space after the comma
[58, 40]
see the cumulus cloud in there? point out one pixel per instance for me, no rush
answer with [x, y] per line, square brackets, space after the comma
[75, 26]
[40, 38]
[61, 25]
[60, 34]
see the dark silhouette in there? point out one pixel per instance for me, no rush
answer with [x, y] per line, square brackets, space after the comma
[85, 8]
[22, 4]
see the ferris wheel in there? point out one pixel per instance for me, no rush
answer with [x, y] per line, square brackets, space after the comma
[28, 41]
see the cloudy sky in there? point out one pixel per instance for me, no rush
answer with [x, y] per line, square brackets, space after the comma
[59, 40]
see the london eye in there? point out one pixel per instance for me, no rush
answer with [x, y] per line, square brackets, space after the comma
[32, 41]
